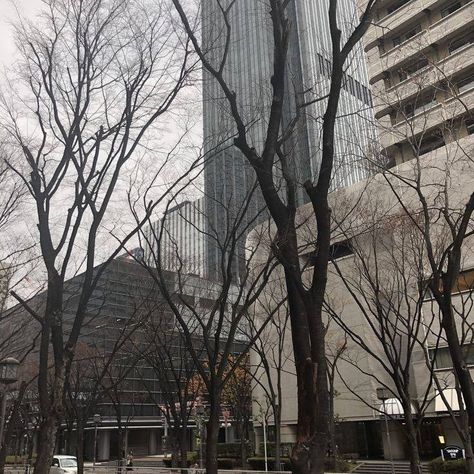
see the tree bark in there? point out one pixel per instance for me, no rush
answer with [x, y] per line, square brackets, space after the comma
[277, 416]
[459, 364]
[212, 436]
[80, 447]
[47, 436]
[183, 446]
[413, 450]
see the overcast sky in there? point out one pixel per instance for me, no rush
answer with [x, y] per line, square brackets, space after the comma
[7, 14]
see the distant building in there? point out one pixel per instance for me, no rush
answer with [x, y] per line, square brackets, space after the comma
[126, 295]
[180, 234]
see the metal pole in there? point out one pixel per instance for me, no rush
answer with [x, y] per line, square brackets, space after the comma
[27, 461]
[265, 441]
[95, 447]
[2, 414]
[200, 445]
[388, 440]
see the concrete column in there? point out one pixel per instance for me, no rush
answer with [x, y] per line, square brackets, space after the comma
[152, 441]
[103, 445]
[258, 439]
[230, 434]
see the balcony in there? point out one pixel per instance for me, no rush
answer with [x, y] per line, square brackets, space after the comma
[397, 18]
[420, 42]
[444, 69]
[391, 135]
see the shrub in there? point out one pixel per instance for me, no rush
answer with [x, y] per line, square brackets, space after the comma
[258, 463]
[331, 465]
[230, 450]
[191, 458]
[20, 459]
[226, 463]
[336, 465]
[285, 449]
[438, 466]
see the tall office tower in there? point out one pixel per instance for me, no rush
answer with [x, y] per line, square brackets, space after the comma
[421, 65]
[181, 238]
[229, 180]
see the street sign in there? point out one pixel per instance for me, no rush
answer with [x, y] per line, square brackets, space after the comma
[449, 453]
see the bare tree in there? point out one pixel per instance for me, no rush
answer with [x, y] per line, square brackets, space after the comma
[269, 355]
[94, 79]
[209, 314]
[305, 300]
[166, 353]
[382, 281]
[419, 90]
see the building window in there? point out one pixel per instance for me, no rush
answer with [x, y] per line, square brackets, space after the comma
[411, 68]
[430, 143]
[461, 41]
[464, 282]
[421, 104]
[465, 83]
[336, 251]
[450, 9]
[469, 125]
[442, 357]
[396, 5]
[398, 40]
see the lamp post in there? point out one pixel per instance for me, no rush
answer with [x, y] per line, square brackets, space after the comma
[97, 420]
[264, 427]
[8, 375]
[29, 429]
[384, 394]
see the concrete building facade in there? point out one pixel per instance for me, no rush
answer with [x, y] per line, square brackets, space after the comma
[381, 242]
[421, 67]
[421, 71]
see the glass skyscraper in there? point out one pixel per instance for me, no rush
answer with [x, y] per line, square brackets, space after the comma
[229, 180]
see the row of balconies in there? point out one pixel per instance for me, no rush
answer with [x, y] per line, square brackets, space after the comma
[435, 33]
[445, 112]
[399, 17]
[385, 99]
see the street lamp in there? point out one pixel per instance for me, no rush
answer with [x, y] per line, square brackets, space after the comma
[29, 429]
[264, 426]
[97, 420]
[8, 375]
[384, 395]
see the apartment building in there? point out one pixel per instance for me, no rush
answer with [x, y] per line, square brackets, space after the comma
[421, 71]
[374, 244]
[421, 68]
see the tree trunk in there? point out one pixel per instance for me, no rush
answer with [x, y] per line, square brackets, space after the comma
[277, 416]
[413, 451]
[175, 441]
[183, 445]
[47, 436]
[3, 455]
[243, 443]
[212, 436]
[459, 364]
[80, 447]
[469, 456]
